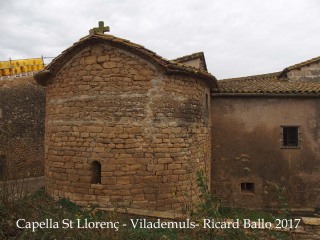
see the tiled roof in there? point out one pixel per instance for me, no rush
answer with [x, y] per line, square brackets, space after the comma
[17, 81]
[169, 67]
[266, 84]
[189, 57]
[302, 64]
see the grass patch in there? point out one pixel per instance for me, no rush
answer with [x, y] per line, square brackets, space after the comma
[40, 207]
[253, 215]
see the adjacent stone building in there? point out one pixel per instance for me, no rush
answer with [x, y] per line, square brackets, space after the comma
[266, 135]
[22, 104]
[125, 126]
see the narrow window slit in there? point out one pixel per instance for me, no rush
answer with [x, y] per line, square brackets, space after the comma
[95, 172]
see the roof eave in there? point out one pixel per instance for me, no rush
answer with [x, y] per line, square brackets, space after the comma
[44, 76]
[287, 95]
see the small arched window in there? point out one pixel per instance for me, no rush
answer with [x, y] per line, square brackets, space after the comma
[95, 172]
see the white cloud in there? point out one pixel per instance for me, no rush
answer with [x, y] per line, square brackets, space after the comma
[238, 37]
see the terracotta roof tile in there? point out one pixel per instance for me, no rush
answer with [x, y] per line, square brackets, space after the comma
[305, 63]
[299, 65]
[189, 57]
[17, 81]
[266, 84]
[170, 67]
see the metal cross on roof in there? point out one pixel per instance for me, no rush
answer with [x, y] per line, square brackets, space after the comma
[101, 29]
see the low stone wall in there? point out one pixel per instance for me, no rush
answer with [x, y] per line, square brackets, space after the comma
[309, 229]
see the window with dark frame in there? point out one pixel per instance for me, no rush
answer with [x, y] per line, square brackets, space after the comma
[290, 136]
[247, 187]
[96, 172]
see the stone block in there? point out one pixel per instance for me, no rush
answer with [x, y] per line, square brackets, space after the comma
[179, 172]
[84, 87]
[146, 72]
[91, 60]
[174, 166]
[85, 179]
[88, 197]
[109, 65]
[123, 180]
[134, 130]
[94, 129]
[139, 78]
[162, 160]
[73, 177]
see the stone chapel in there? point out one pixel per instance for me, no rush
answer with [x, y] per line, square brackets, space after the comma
[125, 126]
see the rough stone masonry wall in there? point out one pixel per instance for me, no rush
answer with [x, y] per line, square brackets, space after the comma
[148, 130]
[22, 105]
[307, 229]
[310, 73]
[310, 229]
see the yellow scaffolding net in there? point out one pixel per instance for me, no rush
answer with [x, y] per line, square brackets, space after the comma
[15, 67]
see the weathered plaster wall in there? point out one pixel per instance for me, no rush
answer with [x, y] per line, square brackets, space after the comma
[149, 131]
[247, 148]
[22, 105]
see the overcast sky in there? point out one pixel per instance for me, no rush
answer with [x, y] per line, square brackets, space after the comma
[238, 37]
